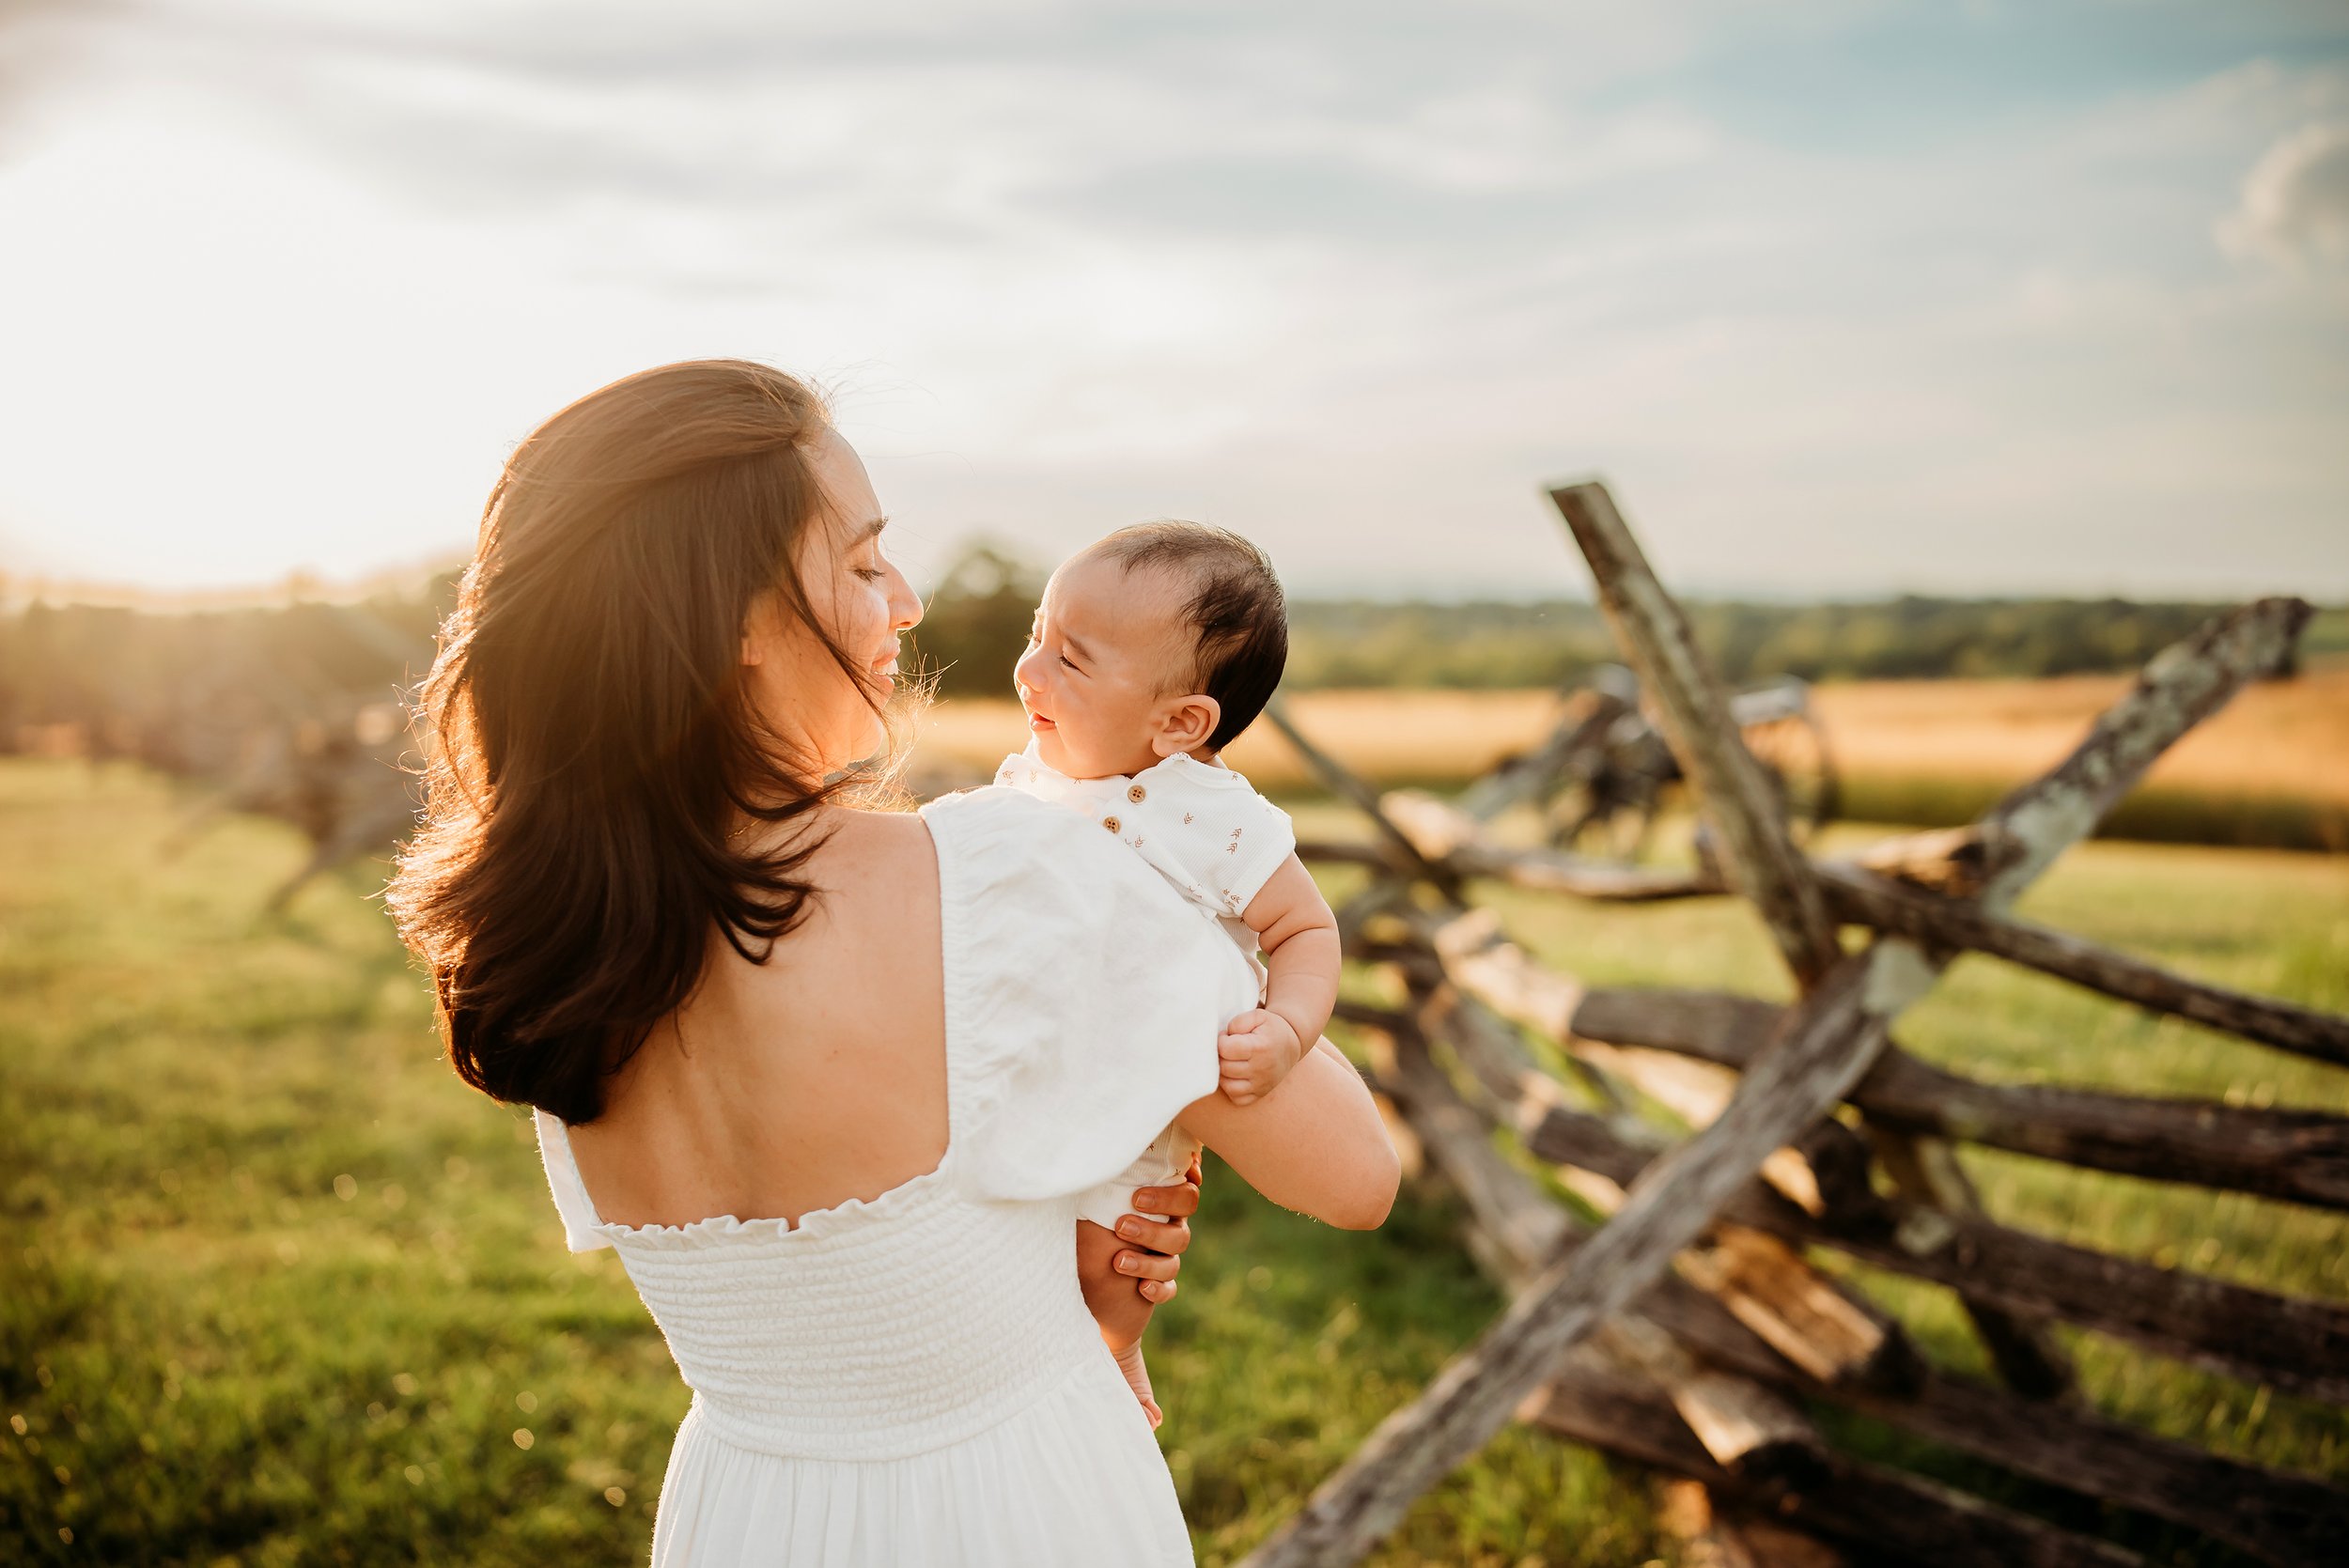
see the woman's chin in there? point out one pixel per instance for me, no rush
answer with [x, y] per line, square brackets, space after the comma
[868, 751]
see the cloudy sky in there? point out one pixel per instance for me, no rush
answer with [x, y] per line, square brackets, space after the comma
[1844, 297]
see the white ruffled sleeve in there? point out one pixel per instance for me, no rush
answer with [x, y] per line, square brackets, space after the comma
[582, 1231]
[1083, 996]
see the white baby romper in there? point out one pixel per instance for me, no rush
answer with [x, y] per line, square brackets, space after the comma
[1205, 830]
[914, 1379]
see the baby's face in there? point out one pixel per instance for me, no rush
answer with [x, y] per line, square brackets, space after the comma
[1108, 654]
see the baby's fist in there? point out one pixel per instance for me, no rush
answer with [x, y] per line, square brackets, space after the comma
[1257, 1051]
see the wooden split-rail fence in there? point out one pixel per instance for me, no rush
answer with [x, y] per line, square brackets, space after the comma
[1689, 1331]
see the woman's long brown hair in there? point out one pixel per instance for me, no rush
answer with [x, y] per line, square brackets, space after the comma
[590, 736]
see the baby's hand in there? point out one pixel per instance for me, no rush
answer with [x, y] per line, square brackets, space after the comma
[1258, 1048]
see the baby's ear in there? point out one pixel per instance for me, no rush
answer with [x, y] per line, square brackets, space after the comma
[1185, 724]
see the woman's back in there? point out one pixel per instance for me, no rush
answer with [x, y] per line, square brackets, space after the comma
[815, 1077]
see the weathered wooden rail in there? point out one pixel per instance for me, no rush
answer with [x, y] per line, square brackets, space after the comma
[1690, 1331]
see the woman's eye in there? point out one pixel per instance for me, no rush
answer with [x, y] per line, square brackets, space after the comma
[871, 574]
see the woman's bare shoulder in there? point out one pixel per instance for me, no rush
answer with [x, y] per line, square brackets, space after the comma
[895, 829]
[878, 852]
[876, 908]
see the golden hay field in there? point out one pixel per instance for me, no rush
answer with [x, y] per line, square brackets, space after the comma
[2273, 767]
[1389, 736]
[2282, 737]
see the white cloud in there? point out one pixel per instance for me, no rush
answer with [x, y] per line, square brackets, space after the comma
[2295, 199]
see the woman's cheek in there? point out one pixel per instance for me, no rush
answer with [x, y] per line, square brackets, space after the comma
[872, 612]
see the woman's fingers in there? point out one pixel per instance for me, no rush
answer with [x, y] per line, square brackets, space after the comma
[1177, 1202]
[1148, 1265]
[1160, 1225]
[1170, 1239]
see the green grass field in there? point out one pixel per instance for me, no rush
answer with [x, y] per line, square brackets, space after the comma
[275, 1288]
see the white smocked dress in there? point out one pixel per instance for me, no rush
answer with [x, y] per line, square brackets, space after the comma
[915, 1379]
[1217, 842]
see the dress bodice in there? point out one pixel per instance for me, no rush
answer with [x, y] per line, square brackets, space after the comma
[870, 1330]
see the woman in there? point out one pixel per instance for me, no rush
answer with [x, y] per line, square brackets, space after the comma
[827, 1077]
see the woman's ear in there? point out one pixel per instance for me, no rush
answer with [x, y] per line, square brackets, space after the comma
[1185, 724]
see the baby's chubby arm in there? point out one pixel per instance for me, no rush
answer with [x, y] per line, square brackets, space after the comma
[1300, 938]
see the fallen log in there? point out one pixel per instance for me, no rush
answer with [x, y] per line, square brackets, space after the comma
[1886, 1515]
[1878, 901]
[2286, 1520]
[2301, 1156]
[2301, 1346]
[1821, 1326]
[1750, 1429]
[1879, 890]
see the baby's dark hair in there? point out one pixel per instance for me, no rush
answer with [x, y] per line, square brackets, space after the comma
[1235, 608]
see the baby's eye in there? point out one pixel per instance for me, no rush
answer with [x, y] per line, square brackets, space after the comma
[1064, 658]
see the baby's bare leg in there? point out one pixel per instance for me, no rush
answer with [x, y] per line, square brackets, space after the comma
[1117, 1308]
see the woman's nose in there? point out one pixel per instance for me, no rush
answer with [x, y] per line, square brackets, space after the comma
[905, 605]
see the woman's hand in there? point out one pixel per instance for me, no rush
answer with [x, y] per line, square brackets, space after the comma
[1157, 1236]
[1126, 1272]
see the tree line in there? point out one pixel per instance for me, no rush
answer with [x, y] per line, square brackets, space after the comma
[977, 622]
[145, 678]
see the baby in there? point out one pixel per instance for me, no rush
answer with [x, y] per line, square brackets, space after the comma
[1151, 650]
